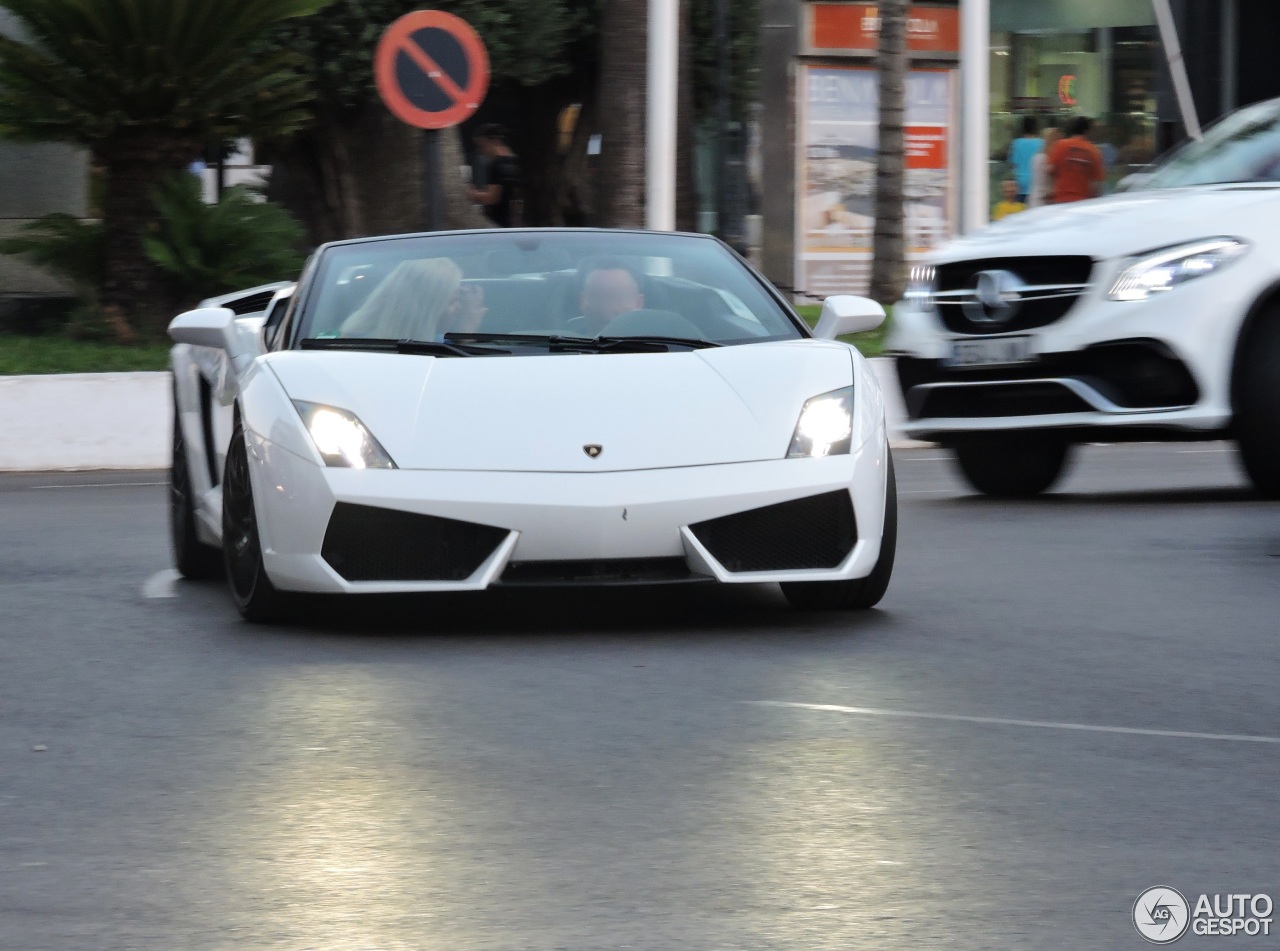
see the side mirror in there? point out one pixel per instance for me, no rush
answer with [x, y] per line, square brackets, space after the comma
[845, 314]
[207, 327]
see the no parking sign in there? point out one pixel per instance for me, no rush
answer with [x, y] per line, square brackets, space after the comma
[432, 72]
[431, 69]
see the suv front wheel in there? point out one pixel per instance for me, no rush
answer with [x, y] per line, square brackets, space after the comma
[1015, 465]
[1257, 421]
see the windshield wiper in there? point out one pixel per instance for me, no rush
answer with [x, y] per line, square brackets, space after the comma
[434, 348]
[639, 343]
[621, 343]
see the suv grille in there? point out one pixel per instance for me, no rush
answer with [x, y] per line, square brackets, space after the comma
[365, 543]
[1133, 374]
[814, 532]
[1052, 286]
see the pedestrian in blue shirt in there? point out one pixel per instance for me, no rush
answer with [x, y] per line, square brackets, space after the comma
[1022, 152]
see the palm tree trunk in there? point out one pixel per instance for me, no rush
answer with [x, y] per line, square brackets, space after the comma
[134, 298]
[888, 265]
[623, 73]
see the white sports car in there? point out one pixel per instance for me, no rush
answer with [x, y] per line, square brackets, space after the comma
[452, 411]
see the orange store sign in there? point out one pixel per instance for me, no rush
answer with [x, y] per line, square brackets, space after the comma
[845, 27]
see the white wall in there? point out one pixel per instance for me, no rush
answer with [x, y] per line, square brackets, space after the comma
[85, 421]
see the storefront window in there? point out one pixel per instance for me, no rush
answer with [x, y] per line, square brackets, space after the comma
[1050, 62]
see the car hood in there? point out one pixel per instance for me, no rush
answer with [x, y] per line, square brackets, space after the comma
[1119, 225]
[537, 413]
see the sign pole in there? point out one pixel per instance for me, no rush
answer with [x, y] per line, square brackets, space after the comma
[432, 72]
[660, 142]
[432, 181]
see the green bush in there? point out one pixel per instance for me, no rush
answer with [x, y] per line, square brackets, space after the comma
[206, 250]
[203, 250]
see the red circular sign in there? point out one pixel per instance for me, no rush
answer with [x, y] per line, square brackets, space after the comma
[431, 69]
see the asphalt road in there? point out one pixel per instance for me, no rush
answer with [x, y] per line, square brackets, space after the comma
[1054, 709]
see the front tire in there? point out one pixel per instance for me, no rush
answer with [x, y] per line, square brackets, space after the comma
[1017, 465]
[1257, 414]
[860, 593]
[256, 598]
[192, 557]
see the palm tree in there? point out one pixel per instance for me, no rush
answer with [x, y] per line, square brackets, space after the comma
[144, 84]
[622, 98]
[888, 264]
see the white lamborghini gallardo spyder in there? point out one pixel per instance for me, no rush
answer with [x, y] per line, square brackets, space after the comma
[452, 411]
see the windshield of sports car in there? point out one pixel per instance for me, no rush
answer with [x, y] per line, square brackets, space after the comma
[523, 292]
[1243, 147]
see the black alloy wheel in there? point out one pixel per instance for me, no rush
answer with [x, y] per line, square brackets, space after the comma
[192, 557]
[255, 596]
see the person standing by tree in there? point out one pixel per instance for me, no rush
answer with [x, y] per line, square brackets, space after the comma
[1076, 164]
[495, 181]
[1022, 151]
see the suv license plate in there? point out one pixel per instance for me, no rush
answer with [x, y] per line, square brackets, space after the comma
[995, 351]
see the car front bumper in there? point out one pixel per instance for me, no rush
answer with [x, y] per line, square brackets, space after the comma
[1193, 328]
[552, 517]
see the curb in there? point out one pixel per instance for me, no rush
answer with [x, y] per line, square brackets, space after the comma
[72, 421]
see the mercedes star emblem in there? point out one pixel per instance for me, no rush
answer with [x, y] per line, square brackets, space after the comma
[996, 296]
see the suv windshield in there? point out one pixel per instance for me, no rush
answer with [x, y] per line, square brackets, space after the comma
[530, 291]
[1243, 147]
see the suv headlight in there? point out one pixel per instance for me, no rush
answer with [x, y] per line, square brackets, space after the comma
[1164, 270]
[825, 427]
[341, 439]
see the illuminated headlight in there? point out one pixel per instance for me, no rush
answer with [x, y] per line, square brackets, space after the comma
[922, 283]
[825, 427]
[341, 438]
[1165, 270]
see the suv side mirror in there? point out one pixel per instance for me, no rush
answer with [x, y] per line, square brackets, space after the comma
[845, 314]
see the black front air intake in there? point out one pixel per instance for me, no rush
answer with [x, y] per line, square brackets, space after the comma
[814, 532]
[364, 543]
[611, 571]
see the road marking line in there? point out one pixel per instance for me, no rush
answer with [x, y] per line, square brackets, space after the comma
[1004, 721]
[94, 485]
[1227, 449]
[162, 584]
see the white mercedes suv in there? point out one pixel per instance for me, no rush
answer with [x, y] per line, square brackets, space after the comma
[1153, 314]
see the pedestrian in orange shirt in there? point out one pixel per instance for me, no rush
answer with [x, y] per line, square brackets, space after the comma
[1075, 164]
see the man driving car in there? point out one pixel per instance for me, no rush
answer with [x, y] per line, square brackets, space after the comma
[610, 288]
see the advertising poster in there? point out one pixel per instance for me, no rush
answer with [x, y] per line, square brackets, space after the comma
[837, 172]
